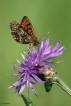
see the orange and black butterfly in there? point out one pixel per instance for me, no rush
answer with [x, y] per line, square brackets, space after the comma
[24, 32]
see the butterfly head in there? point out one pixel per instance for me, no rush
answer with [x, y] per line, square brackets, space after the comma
[36, 43]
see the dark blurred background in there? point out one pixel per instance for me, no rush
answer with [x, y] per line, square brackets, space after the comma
[45, 15]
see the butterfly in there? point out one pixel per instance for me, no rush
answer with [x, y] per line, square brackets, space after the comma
[24, 32]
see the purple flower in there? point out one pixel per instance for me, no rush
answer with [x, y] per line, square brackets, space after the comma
[33, 61]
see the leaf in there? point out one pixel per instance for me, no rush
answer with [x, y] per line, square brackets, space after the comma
[27, 101]
[48, 86]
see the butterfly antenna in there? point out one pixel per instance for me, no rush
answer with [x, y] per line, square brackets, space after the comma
[45, 34]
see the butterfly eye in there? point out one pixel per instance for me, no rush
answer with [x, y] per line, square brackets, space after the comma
[36, 43]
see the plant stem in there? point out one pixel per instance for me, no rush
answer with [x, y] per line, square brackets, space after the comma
[61, 84]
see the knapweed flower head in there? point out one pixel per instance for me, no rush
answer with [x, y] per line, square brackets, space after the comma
[33, 63]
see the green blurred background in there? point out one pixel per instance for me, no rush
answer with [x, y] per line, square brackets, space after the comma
[45, 15]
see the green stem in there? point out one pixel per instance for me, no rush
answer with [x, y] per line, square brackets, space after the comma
[61, 84]
[27, 101]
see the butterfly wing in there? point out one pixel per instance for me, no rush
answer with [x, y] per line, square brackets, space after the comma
[14, 30]
[19, 34]
[26, 24]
